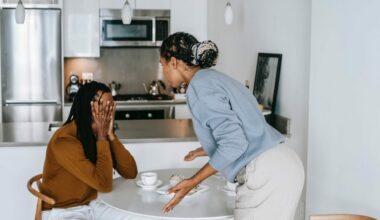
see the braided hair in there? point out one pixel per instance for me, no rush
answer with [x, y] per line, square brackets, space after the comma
[81, 113]
[186, 47]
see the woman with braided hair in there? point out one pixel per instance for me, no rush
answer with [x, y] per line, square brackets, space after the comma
[80, 158]
[233, 134]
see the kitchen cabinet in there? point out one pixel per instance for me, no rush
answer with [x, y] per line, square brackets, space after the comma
[182, 112]
[32, 3]
[153, 4]
[115, 4]
[17, 165]
[30, 161]
[189, 16]
[153, 156]
[136, 4]
[81, 28]
[66, 112]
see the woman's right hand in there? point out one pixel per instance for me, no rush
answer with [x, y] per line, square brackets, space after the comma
[102, 116]
[199, 152]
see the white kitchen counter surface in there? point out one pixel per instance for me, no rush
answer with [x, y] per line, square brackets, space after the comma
[135, 131]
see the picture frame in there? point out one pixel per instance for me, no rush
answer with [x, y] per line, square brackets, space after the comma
[267, 79]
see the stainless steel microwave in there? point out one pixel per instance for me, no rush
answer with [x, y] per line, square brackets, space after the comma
[148, 28]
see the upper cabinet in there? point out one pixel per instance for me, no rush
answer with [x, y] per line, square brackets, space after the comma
[115, 4]
[136, 4]
[81, 21]
[189, 16]
[81, 28]
[152, 4]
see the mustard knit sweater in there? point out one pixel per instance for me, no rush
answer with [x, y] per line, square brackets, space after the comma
[71, 179]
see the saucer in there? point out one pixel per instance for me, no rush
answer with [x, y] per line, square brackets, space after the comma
[148, 187]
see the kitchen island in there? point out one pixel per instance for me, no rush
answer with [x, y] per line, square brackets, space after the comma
[155, 144]
[132, 131]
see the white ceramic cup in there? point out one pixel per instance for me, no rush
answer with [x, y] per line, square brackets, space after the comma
[149, 178]
[175, 181]
[230, 186]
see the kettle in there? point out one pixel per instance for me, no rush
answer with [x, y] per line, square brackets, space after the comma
[73, 87]
[155, 87]
[114, 88]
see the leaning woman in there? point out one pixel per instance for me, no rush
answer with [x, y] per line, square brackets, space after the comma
[81, 156]
[233, 134]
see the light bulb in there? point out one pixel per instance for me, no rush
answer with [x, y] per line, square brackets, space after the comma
[127, 13]
[228, 14]
[20, 13]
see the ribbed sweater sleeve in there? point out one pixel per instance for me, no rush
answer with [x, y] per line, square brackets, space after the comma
[124, 164]
[69, 153]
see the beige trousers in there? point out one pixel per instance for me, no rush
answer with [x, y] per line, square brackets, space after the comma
[270, 186]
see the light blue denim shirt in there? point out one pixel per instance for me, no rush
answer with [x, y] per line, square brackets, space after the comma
[227, 122]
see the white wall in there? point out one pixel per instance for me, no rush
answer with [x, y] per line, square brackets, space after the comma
[344, 120]
[273, 26]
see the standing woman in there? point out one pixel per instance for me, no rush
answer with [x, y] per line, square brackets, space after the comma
[233, 133]
[80, 158]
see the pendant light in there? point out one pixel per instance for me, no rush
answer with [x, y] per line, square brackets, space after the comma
[20, 13]
[228, 14]
[127, 13]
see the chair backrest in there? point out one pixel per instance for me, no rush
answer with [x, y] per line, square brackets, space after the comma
[340, 217]
[40, 197]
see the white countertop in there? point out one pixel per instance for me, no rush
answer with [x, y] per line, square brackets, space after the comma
[132, 131]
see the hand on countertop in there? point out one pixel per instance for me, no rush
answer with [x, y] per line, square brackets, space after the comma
[199, 152]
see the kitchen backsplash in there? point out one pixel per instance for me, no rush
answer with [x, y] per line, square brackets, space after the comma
[129, 66]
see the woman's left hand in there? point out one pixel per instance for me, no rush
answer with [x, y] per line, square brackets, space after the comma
[180, 190]
[110, 133]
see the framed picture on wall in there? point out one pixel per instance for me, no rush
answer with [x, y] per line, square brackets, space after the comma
[266, 80]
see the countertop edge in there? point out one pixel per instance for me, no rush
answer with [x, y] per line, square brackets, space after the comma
[145, 103]
[123, 141]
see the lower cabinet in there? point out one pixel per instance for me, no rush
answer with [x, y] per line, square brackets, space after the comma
[182, 112]
[154, 156]
[19, 163]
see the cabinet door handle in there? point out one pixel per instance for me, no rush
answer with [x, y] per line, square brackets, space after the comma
[127, 115]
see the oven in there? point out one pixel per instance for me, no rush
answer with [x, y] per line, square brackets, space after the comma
[143, 113]
[143, 107]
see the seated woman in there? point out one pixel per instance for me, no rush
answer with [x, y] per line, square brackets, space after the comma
[80, 158]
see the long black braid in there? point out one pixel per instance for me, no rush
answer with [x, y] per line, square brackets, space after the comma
[81, 113]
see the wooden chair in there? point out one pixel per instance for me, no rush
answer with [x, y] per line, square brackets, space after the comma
[340, 217]
[40, 197]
